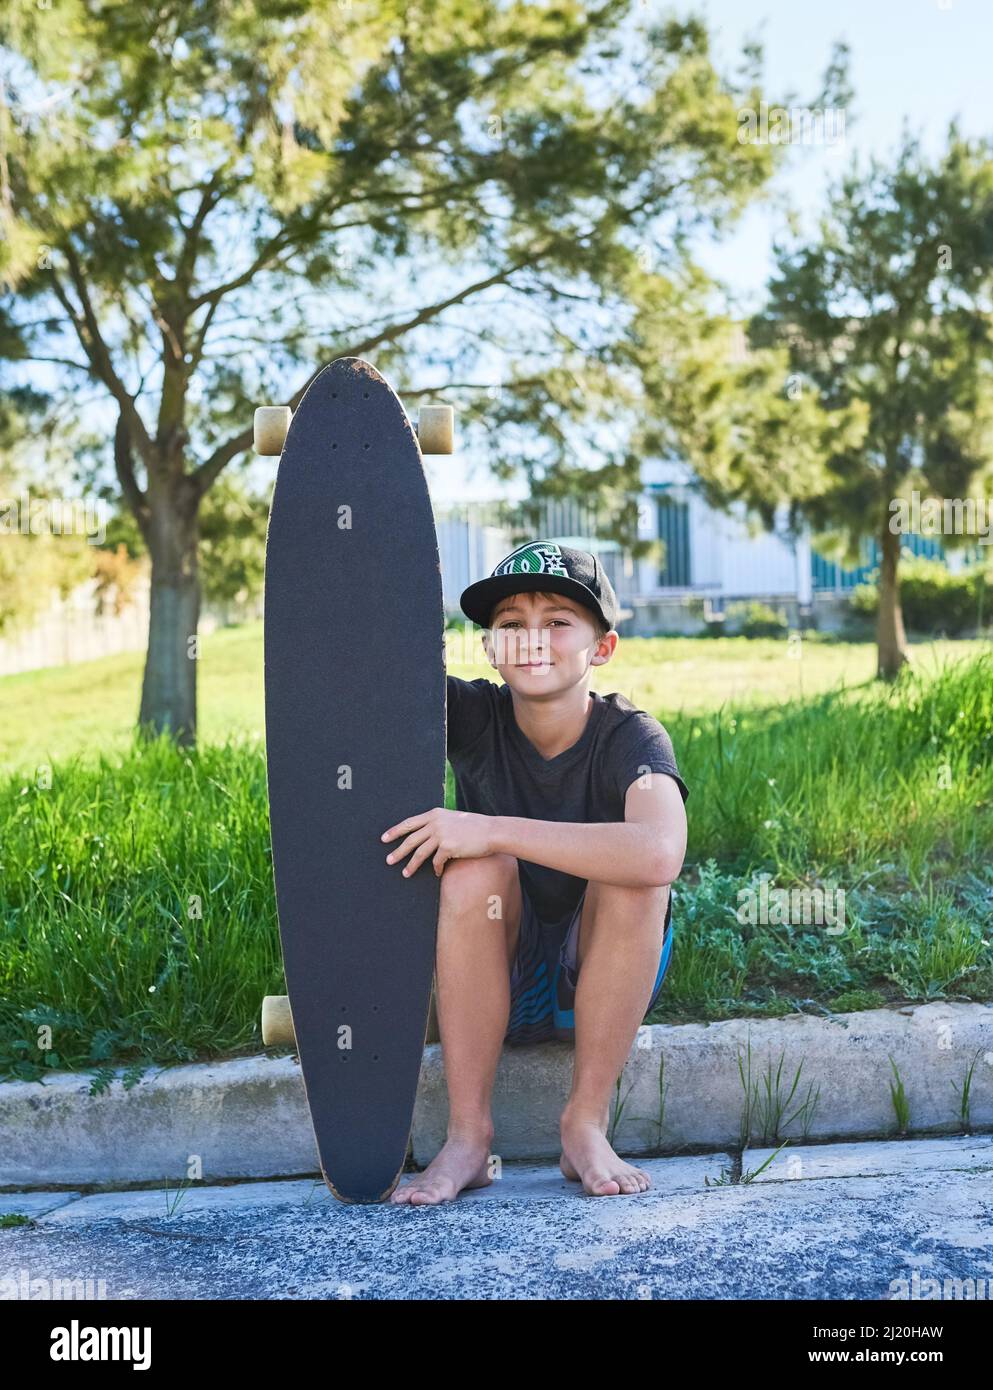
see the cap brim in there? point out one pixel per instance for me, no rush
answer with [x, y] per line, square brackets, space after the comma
[479, 600]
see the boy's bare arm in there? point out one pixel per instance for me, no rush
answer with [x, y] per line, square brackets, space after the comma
[644, 850]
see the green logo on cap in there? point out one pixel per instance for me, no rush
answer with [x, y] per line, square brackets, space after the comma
[541, 557]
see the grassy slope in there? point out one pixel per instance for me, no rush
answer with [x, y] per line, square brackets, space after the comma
[886, 793]
[91, 707]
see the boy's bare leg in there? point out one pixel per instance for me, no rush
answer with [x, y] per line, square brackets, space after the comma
[474, 954]
[619, 944]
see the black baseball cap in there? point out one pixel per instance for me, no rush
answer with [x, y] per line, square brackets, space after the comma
[548, 567]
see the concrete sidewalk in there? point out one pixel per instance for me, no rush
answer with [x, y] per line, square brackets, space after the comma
[840, 1221]
[247, 1117]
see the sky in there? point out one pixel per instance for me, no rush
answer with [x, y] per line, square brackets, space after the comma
[924, 61]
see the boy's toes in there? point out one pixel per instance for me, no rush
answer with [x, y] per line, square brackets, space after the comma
[630, 1179]
[421, 1194]
[638, 1176]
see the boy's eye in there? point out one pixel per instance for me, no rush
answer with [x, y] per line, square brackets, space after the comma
[512, 621]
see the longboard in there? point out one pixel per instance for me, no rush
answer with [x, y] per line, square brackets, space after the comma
[355, 741]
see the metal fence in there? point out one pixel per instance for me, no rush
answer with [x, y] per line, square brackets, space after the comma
[72, 630]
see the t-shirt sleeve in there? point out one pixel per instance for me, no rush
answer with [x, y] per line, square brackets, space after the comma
[468, 712]
[641, 744]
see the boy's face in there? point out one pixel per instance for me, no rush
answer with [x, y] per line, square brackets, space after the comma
[556, 634]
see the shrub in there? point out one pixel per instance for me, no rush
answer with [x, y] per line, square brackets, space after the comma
[754, 619]
[933, 599]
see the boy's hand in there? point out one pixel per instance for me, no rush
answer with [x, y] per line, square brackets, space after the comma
[445, 834]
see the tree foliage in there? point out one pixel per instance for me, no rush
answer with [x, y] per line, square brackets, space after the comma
[205, 200]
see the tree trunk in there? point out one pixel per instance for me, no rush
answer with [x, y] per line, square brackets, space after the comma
[891, 640]
[169, 688]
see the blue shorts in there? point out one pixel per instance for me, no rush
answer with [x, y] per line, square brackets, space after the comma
[546, 971]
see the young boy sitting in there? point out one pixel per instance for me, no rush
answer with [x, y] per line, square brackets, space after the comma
[555, 918]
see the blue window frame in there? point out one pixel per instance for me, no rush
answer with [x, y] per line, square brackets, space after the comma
[674, 530]
[825, 574]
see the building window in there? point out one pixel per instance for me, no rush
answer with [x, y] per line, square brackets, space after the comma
[674, 530]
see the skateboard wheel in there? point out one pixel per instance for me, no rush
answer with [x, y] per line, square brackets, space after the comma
[271, 425]
[277, 1021]
[436, 429]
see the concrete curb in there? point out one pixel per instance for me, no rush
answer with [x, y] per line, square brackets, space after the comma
[248, 1118]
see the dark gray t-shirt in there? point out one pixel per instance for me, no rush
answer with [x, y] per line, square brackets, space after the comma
[499, 772]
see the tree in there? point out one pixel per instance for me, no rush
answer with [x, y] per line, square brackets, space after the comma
[201, 202]
[889, 309]
[232, 543]
[868, 375]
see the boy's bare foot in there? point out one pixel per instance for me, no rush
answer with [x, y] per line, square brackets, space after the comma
[588, 1158]
[460, 1163]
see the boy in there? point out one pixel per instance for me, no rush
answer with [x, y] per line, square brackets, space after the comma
[555, 919]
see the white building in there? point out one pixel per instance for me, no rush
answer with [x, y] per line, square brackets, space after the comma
[711, 557]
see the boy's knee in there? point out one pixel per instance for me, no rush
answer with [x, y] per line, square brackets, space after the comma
[492, 876]
[463, 874]
[647, 895]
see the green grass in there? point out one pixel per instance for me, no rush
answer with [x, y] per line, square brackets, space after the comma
[900, 773]
[137, 913]
[91, 708]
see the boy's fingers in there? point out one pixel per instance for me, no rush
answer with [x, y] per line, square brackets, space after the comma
[410, 842]
[410, 823]
[426, 848]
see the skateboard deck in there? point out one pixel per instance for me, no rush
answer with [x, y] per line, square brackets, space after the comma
[355, 741]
